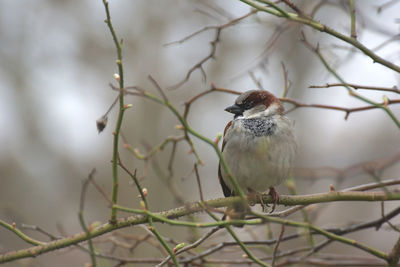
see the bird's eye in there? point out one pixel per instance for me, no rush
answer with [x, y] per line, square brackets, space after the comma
[247, 105]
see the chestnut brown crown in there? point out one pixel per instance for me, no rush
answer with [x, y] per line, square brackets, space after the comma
[251, 99]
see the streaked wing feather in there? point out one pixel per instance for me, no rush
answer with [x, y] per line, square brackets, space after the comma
[227, 192]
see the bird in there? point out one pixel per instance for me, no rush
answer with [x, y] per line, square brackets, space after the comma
[258, 146]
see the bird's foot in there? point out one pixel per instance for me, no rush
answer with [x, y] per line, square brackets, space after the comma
[275, 198]
[253, 196]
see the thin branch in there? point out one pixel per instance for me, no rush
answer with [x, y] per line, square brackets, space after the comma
[142, 93]
[393, 89]
[364, 187]
[40, 230]
[291, 185]
[82, 220]
[191, 246]
[296, 104]
[12, 227]
[146, 208]
[226, 224]
[191, 208]
[158, 87]
[338, 262]
[386, 219]
[277, 245]
[212, 89]
[383, 106]
[256, 81]
[327, 234]
[323, 28]
[294, 7]
[196, 171]
[383, 6]
[100, 189]
[394, 255]
[286, 82]
[347, 111]
[338, 231]
[214, 44]
[122, 108]
[379, 164]
[388, 41]
[155, 149]
[353, 33]
[357, 227]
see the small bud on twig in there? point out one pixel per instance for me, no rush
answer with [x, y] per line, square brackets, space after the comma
[178, 247]
[126, 106]
[144, 191]
[385, 100]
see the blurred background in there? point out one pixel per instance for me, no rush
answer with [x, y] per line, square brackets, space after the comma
[57, 59]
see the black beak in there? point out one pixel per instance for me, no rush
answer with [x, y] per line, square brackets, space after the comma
[235, 109]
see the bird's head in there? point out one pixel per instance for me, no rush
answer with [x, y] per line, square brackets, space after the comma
[255, 103]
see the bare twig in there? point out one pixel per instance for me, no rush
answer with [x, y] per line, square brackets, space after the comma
[40, 230]
[214, 44]
[191, 246]
[294, 7]
[158, 87]
[393, 89]
[296, 104]
[383, 105]
[256, 81]
[196, 171]
[118, 46]
[379, 164]
[347, 111]
[353, 32]
[394, 255]
[82, 220]
[388, 41]
[277, 245]
[145, 207]
[386, 220]
[212, 89]
[286, 82]
[100, 189]
[383, 6]
[322, 28]
[172, 214]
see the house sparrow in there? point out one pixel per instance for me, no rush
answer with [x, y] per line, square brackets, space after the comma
[258, 147]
